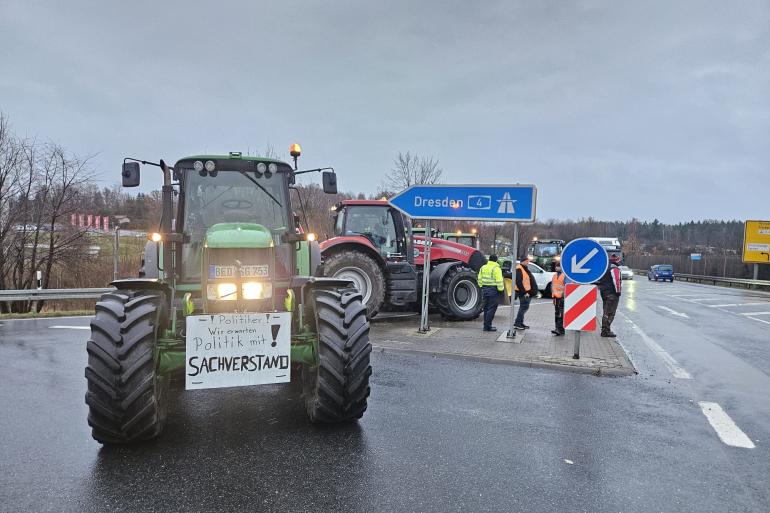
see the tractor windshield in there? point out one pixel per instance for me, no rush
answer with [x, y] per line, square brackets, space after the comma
[230, 197]
[376, 224]
[549, 249]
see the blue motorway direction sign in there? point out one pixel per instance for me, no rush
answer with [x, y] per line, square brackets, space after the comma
[468, 202]
[584, 261]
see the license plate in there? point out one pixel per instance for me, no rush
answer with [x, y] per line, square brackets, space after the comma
[247, 271]
[237, 349]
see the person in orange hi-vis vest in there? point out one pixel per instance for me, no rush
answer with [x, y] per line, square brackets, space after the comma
[526, 287]
[557, 293]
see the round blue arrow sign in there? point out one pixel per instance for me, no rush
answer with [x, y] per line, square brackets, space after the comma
[584, 261]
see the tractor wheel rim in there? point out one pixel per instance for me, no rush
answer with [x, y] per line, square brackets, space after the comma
[360, 280]
[466, 295]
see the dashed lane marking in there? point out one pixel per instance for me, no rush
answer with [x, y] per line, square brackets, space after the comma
[755, 313]
[69, 327]
[736, 304]
[673, 366]
[727, 430]
[674, 312]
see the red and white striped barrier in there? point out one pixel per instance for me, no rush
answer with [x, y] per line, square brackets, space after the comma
[580, 307]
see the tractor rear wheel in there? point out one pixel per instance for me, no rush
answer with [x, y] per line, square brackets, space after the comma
[459, 298]
[337, 388]
[126, 396]
[364, 272]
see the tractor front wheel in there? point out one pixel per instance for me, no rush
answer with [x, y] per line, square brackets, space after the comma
[459, 298]
[337, 388]
[126, 396]
[365, 273]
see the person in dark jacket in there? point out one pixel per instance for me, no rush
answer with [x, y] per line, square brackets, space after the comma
[526, 287]
[609, 288]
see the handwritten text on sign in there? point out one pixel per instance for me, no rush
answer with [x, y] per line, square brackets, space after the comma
[238, 349]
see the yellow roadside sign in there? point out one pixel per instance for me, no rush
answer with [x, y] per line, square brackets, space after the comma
[756, 242]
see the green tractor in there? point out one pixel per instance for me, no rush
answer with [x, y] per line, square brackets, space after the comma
[231, 293]
[546, 252]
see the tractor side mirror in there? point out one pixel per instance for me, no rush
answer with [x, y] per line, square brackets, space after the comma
[329, 180]
[130, 174]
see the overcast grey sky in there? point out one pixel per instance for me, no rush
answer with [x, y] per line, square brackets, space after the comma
[613, 109]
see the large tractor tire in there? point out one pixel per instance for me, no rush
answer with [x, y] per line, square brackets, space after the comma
[365, 273]
[336, 390]
[459, 298]
[126, 396]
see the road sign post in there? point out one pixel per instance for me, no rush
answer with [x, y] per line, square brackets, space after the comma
[495, 203]
[511, 330]
[425, 296]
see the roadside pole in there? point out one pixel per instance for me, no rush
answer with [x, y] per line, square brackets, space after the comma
[576, 351]
[116, 253]
[38, 286]
[756, 271]
[424, 327]
[514, 246]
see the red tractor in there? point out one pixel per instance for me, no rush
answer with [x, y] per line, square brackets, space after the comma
[373, 246]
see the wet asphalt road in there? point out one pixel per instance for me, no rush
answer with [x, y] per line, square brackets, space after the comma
[440, 435]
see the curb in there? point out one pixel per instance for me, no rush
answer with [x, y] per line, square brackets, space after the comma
[595, 371]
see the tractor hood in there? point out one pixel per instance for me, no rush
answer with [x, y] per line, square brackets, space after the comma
[238, 235]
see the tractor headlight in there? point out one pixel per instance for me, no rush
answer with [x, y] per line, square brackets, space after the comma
[257, 290]
[223, 291]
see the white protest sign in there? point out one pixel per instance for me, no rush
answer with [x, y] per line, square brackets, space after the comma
[237, 349]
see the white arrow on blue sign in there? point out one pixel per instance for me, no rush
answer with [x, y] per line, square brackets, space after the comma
[468, 202]
[584, 261]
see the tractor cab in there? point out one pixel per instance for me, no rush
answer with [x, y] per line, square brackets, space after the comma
[381, 225]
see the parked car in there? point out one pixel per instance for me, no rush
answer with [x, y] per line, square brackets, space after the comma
[661, 272]
[626, 273]
[542, 277]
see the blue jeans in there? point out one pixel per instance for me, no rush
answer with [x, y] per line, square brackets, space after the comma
[523, 307]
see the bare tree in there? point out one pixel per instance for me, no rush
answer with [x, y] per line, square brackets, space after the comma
[411, 169]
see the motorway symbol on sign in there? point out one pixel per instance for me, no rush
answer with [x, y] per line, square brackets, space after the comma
[468, 202]
[584, 260]
[580, 307]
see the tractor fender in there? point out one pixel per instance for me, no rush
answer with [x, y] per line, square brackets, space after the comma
[150, 268]
[141, 284]
[437, 274]
[353, 243]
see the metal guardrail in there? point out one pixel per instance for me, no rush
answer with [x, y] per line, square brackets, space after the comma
[52, 294]
[716, 280]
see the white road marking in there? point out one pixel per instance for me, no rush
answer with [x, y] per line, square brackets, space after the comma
[725, 427]
[701, 299]
[754, 313]
[760, 320]
[674, 312]
[69, 327]
[673, 366]
[736, 304]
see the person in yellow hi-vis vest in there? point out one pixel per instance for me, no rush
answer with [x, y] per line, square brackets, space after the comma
[490, 280]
